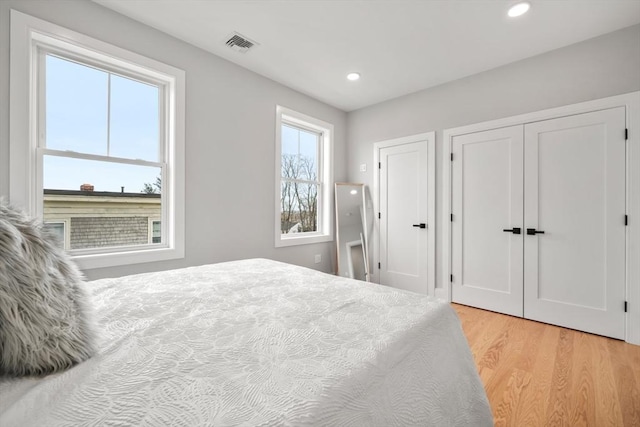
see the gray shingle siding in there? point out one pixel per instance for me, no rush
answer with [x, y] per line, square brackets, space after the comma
[96, 232]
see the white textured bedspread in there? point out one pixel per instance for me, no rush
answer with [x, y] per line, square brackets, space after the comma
[259, 343]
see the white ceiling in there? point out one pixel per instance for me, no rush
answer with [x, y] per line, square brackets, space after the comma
[399, 46]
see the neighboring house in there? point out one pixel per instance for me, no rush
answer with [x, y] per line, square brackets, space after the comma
[93, 219]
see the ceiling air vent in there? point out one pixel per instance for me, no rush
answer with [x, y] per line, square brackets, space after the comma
[240, 43]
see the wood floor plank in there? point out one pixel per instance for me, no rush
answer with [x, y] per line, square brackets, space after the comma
[502, 341]
[507, 382]
[628, 393]
[582, 403]
[533, 333]
[561, 381]
[543, 375]
[504, 413]
[608, 412]
[633, 356]
[534, 399]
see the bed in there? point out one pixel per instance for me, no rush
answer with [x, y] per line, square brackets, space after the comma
[259, 343]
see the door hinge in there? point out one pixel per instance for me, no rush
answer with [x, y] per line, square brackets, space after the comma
[379, 165]
[451, 278]
[379, 216]
[626, 134]
[451, 218]
[379, 266]
[625, 306]
[626, 220]
[452, 157]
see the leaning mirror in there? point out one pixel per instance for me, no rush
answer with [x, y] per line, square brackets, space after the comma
[351, 235]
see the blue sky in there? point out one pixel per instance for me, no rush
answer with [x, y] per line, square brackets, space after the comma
[79, 119]
[299, 142]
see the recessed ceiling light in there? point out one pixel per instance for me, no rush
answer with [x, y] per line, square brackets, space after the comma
[353, 76]
[519, 9]
[354, 192]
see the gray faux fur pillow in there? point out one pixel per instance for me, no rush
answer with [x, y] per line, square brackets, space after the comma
[45, 316]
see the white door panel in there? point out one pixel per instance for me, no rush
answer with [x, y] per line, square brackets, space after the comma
[575, 193]
[403, 203]
[487, 199]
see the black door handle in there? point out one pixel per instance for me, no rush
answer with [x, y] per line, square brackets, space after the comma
[533, 231]
[421, 225]
[514, 230]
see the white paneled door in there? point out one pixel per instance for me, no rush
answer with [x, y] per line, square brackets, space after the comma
[403, 215]
[486, 233]
[538, 225]
[575, 203]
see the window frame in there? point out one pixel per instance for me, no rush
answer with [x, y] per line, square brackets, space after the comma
[31, 40]
[324, 232]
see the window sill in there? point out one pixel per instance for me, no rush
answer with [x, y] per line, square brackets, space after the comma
[302, 240]
[88, 262]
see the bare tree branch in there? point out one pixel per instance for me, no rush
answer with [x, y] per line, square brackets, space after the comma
[299, 194]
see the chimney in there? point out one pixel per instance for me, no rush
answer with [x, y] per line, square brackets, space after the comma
[86, 187]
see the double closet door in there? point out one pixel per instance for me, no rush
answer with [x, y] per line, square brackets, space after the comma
[538, 225]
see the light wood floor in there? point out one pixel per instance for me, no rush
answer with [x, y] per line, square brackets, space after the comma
[542, 375]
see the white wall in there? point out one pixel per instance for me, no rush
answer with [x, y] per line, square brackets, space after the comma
[604, 66]
[230, 131]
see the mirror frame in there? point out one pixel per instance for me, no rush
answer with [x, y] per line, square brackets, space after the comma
[364, 234]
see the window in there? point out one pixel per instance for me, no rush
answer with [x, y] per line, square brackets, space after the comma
[303, 179]
[156, 232]
[105, 132]
[57, 229]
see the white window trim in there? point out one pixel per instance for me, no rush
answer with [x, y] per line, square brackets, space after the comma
[25, 187]
[325, 168]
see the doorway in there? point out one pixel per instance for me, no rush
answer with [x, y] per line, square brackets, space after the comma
[404, 192]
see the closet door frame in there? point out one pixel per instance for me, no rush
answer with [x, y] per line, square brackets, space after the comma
[631, 101]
